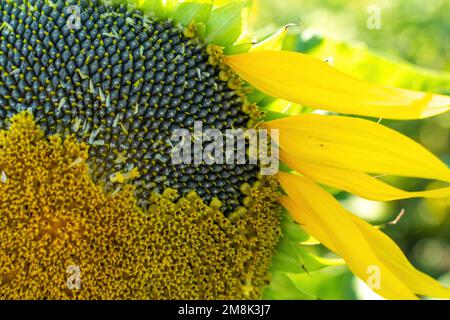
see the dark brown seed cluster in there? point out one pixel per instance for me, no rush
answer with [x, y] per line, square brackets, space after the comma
[121, 83]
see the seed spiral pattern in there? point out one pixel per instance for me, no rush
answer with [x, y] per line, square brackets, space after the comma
[122, 83]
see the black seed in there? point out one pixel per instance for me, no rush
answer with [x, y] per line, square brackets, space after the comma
[153, 80]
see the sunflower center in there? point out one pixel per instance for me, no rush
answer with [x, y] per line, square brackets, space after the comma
[122, 83]
[57, 226]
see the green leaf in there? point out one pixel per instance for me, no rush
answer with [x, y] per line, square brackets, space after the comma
[285, 107]
[291, 255]
[295, 258]
[197, 11]
[274, 42]
[286, 258]
[154, 6]
[238, 48]
[256, 96]
[291, 229]
[282, 288]
[324, 284]
[272, 115]
[227, 22]
[169, 7]
[306, 42]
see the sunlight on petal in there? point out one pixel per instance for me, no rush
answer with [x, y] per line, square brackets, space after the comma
[356, 144]
[308, 81]
[356, 182]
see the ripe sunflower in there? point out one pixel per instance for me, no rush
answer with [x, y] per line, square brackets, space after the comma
[88, 108]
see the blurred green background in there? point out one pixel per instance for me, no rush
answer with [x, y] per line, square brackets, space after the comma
[404, 43]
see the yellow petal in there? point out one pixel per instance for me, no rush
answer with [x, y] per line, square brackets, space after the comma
[275, 42]
[356, 144]
[305, 80]
[303, 217]
[394, 258]
[339, 233]
[360, 244]
[356, 182]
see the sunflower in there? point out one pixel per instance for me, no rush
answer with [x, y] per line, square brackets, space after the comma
[90, 93]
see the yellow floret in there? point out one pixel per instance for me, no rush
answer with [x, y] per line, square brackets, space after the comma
[54, 219]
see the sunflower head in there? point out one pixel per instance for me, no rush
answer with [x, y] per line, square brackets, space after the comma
[91, 93]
